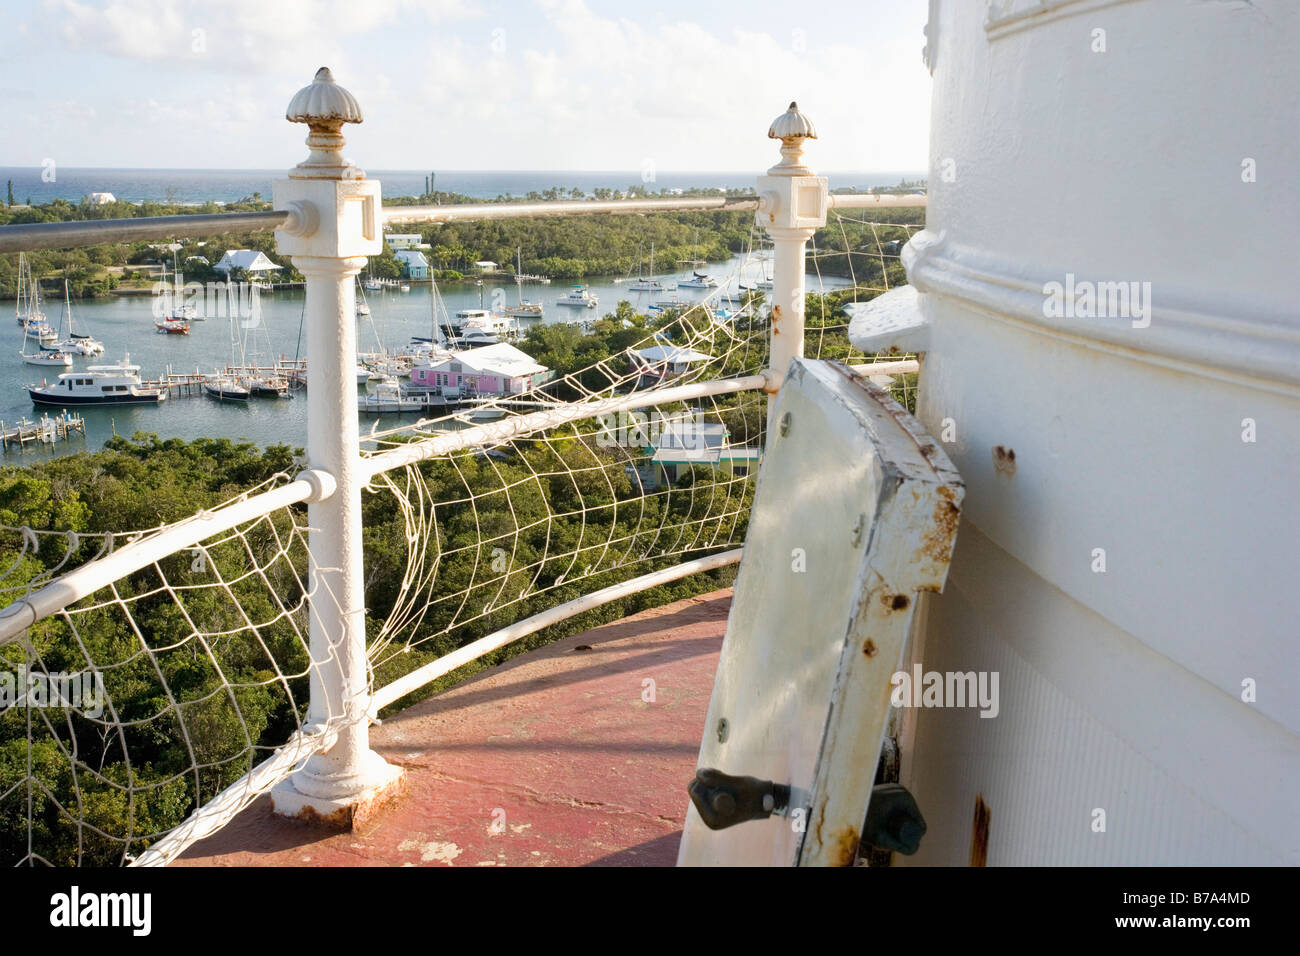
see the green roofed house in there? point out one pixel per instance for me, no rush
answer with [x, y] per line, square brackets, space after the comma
[683, 442]
[414, 265]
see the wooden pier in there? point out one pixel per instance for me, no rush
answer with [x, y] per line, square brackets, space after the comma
[46, 431]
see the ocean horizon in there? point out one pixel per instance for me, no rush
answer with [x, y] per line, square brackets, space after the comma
[197, 186]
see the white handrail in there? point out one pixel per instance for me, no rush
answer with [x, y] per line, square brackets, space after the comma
[101, 572]
[494, 433]
[221, 809]
[530, 625]
[225, 806]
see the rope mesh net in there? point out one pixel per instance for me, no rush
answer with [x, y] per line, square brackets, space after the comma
[128, 709]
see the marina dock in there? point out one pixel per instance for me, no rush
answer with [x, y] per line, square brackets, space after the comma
[47, 431]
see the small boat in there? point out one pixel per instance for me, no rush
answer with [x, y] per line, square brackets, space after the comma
[674, 303]
[47, 357]
[269, 387]
[404, 287]
[372, 285]
[37, 329]
[170, 326]
[648, 283]
[580, 297]
[387, 397]
[46, 353]
[363, 307]
[82, 345]
[226, 389]
[698, 280]
[363, 375]
[99, 385]
[486, 413]
[474, 338]
[526, 309]
[79, 343]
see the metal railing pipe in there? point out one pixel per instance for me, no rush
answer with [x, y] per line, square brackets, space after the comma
[90, 577]
[554, 615]
[494, 433]
[26, 237]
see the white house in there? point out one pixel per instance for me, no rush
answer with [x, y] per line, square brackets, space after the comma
[102, 199]
[485, 265]
[250, 260]
[666, 359]
[404, 240]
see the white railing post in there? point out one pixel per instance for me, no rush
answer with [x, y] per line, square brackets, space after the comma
[335, 227]
[791, 207]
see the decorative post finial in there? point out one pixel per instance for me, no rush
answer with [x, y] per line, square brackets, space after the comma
[324, 106]
[791, 128]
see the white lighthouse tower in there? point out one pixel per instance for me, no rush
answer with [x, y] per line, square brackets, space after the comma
[1107, 302]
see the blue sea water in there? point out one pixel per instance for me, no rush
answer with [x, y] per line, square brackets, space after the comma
[202, 185]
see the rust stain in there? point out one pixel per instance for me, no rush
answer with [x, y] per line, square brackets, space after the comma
[870, 648]
[353, 816]
[895, 602]
[340, 819]
[979, 842]
[845, 849]
[941, 535]
[1004, 461]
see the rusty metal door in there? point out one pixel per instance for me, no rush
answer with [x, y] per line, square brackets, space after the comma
[855, 511]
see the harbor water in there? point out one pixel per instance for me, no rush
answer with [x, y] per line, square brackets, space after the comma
[125, 324]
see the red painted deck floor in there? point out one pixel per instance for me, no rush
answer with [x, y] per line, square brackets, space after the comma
[554, 758]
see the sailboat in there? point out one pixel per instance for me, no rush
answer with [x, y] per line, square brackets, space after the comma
[264, 383]
[526, 309]
[698, 280]
[181, 312]
[228, 386]
[363, 307]
[648, 283]
[79, 342]
[46, 353]
[427, 351]
[28, 308]
[43, 356]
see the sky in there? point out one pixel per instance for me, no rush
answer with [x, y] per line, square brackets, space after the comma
[456, 84]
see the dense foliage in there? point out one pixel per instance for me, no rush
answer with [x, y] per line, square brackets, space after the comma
[207, 703]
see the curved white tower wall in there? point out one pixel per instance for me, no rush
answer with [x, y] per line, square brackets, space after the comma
[1129, 560]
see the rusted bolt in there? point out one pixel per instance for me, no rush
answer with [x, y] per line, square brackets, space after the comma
[898, 602]
[724, 730]
[857, 530]
[869, 648]
[784, 427]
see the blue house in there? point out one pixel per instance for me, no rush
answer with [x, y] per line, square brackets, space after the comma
[414, 265]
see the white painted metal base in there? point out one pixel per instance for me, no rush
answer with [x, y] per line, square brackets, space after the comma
[336, 803]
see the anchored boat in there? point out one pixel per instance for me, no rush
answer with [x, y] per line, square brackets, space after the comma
[580, 297]
[99, 385]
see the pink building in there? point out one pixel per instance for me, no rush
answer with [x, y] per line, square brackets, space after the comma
[492, 370]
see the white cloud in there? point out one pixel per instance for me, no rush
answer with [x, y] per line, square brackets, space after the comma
[260, 35]
[553, 85]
